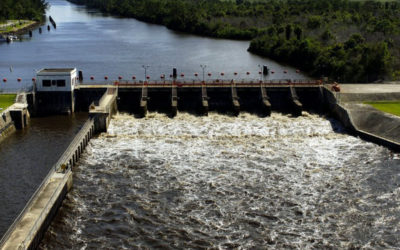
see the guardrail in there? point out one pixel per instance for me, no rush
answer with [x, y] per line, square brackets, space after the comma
[64, 160]
[189, 82]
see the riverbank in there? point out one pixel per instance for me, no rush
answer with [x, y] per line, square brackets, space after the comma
[17, 27]
[331, 38]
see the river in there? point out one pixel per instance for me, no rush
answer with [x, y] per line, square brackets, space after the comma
[222, 182]
[98, 45]
[102, 45]
[201, 182]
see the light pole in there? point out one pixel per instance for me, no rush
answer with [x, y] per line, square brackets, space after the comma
[203, 67]
[145, 71]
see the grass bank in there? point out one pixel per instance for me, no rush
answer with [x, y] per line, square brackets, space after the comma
[6, 100]
[14, 26]
[388, 107]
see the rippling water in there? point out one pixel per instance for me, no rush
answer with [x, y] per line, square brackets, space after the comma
[230, 182]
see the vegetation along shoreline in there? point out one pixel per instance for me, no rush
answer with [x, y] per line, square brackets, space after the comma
[18, 16]
[348, 41]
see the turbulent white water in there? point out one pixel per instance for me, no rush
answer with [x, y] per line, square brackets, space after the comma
[230, 182]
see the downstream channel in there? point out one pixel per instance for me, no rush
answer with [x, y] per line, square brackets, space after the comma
[222, 182]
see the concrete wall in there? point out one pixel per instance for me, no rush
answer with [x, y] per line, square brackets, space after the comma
[50, 216]
[85, 97]
[220, 99]
[6, 125]
[366, 122]
[48, 103]
[30, 226]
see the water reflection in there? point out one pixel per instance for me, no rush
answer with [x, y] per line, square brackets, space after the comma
[103, 45]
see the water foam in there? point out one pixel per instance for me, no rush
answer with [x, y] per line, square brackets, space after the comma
[227, 182]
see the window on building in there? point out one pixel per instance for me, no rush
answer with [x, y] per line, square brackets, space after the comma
[46, 83]
[54, 82]
[60, 83]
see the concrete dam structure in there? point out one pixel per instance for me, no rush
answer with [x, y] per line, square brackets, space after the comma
[61, 91]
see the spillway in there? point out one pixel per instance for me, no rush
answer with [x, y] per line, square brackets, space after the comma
[219, 181]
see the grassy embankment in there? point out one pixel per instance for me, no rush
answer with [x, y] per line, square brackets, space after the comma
[6, 100]
[13, 26]
[388, 107]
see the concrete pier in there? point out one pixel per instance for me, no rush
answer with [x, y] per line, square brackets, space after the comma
[143, 101]
[297, 106]
[174, 100]
[101, 111]
[265, 101]
[204, 100]
[235, 100]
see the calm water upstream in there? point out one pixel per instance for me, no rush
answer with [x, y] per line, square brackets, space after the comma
[103, 45]
[221, 182]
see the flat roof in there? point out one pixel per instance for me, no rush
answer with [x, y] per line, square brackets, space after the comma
[55, 70]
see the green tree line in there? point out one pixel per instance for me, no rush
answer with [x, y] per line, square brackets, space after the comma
[357, 41]
[22, 9]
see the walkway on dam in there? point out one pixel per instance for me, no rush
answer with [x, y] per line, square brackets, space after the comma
[30, 220]
[369, 88]
[369, 92]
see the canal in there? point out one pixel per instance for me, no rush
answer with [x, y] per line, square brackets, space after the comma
[103, 45]
[27, 156]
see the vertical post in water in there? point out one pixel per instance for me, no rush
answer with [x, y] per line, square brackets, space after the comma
[80, 76]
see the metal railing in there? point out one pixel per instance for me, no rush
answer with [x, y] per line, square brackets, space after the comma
[189, 82]
[68, 153]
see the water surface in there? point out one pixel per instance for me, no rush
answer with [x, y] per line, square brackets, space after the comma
[226, 182]
[26, 157]
[102, 45]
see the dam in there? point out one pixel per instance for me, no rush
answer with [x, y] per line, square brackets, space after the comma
[187, 180]
[246, 130]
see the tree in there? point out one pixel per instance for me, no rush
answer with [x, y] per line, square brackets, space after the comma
[298, 31]
[288, 31]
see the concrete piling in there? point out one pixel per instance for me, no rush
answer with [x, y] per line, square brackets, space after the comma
[143, 101]
[235, 100]
[53, 22]
[265, 101]
[297, 107]
[174, 100]
[204, 99]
